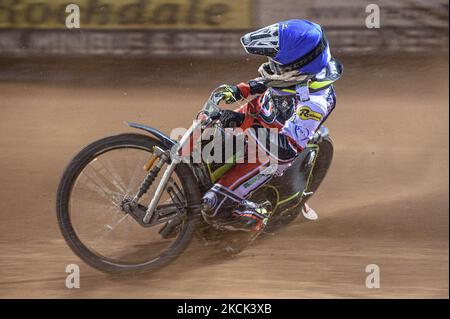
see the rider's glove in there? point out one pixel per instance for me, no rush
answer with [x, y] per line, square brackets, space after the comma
[231, 93]
[231, 119]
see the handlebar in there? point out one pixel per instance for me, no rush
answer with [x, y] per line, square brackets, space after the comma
[211, 107]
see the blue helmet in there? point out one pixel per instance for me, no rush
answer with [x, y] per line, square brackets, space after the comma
[298, 45]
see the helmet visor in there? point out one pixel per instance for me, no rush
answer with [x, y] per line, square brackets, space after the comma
[262, 42]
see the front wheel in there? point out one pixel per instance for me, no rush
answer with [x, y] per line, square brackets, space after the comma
[90, 207]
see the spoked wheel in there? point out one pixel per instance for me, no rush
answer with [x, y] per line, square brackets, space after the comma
[97, 219]
[322, 164]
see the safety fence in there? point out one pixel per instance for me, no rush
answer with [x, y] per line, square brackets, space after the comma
[177, 28]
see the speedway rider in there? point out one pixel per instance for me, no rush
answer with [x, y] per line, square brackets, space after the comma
[294, 95]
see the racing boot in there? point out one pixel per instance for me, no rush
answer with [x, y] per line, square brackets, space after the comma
[309, 213]
[250, 217]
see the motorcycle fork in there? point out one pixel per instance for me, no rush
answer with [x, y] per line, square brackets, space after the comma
[175, 159]
[161, 158]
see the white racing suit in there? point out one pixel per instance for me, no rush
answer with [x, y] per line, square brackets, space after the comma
[310, 108]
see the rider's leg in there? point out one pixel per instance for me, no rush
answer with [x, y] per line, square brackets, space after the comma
[225, 205]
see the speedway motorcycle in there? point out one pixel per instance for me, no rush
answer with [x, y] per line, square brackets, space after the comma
[130, 203]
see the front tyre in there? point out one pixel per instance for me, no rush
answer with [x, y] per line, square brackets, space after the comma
[91, 216]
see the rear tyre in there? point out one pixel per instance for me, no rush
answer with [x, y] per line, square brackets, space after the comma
[322, 164]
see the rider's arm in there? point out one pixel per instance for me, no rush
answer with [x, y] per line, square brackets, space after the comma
[251, 87]
[233, 93]
[252, 108]
[249, 110]
[300, 128]
[243, 116]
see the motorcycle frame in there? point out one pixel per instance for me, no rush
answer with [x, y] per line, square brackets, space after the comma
[308, 162]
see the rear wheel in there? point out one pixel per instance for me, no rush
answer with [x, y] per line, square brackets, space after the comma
[93, 191]
[322, 164]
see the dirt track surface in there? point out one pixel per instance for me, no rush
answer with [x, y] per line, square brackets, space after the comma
[384, 202]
